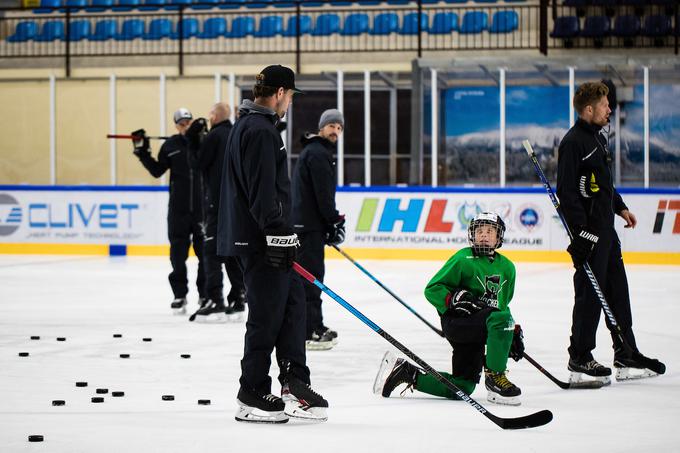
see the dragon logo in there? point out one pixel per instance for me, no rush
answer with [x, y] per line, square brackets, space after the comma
[492, 286]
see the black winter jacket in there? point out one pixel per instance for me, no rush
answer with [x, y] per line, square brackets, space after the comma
[185, 184]
[584, 159]
[255, 192]
[210, 160]
[314, 182]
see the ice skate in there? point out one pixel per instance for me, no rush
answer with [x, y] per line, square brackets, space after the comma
[331, 333]
[235, 311]
[636, 366]
[501, 390]
[212, 313]
[259, 408]
[179, 306]
[392, 373]
[590, 368]
[320, 341]
[303, 402]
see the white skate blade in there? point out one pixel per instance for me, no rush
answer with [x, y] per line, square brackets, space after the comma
[386, 367]
[212, 318]
[255, 415]
[235, 317]
[628, 374]
[179, 311]
[503, 400]
[318, 345]
[314, 414]
[578, 378]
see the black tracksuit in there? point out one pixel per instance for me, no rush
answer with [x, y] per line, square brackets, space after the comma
[584, 159]
[255, 198]
[184, 210]
[209, 161]
[314, 213]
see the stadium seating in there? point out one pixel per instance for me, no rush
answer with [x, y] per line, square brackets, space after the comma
[326, 25]
[596, 27]
[444, 23]
[410, 24]
[504, 22]
[25, 31]
[104, 30]
[152, 5]
[657, 26]
[241, 27]
[97, 6]
[270, 26]
[341, 3]
[158, 29]
[52, 30]
[131, 30]
[385, 23]
[292, 27]
[356, 24]
[173, 5]
[126, 5]
[566, 27]
[283, 4]
[626, 26]
[74, 5]
[231, 4]
[190, 28]
[46, 6]
[213, 27]
[474, 22]
[205, 4]
[79, 30]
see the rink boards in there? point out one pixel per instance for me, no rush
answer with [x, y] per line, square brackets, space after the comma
[382, 222]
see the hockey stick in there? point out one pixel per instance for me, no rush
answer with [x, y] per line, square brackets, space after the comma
[561, 384]
[586, 267]
[123, 136]
[397, 298]
[528, 421]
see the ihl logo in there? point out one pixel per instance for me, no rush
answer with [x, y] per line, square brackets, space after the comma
[667, 205]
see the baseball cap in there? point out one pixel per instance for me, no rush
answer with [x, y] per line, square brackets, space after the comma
[181, 114]
[277, 76]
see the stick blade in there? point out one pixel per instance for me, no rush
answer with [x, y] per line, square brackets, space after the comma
[528, 421]
[586, 385]
[527, 146]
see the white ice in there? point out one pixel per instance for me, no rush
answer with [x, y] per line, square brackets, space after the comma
[88, 299]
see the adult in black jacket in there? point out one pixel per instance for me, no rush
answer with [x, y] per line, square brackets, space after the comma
[209, 153]
[184, 205]
[315, 217]
[589, 203]
[254, 225]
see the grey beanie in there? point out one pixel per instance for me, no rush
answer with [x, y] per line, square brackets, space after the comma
[331, 116]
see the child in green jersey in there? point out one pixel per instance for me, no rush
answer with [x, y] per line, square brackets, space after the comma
[471, 294]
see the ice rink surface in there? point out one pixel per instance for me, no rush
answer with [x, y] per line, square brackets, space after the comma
[88, 299]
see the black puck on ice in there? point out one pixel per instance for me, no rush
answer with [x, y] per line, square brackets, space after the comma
[58, 403]
[23, 354]
[117, 394]
[117, 335]
[35, 438]
[102, 391]
[146, 339]
[204, 402]
[168, 397]
[81, 384]
[125, 356]
[185, 356]
[35, 337]
[97, 399]
[61, 338]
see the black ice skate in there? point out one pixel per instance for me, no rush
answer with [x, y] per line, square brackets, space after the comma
[255, 407]
[392, 373]
[636, 366]
[303, 402]
[179, 306]
[211, 312]
[589, 368]
[237, 306]
[320, 341]
[501, 390]
[331, 333]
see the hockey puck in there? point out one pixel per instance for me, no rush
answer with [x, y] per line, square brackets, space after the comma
[97, 399]
[146, 339]
[61, 338]
[125, 356]
[168, 397]
[23, 354]
[102, 391]
[204, 402]
[58, 403]
[117, 335]
[185, 356]
[35, 337]
[117, 394]
[36, 438]
[81, 384]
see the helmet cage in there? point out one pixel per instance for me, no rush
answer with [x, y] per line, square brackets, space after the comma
[486, 218]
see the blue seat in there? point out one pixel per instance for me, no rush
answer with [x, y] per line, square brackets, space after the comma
[566, 27]
[205, 4]
[255, 4]
[99, 5]
[456, 2]
[231, 4]
[385, 24]
[326, 25]
[430, 2]
[130, 30]
[356, 24]
[657, 26]
[341, 3]
[47, 6]
[74, 5]
[398, 2]
[158, 29]
[52, 30]
[104, 30]
[474, 22]
[369, 2]
[596, 27]
[79, 30]
[283, 4]
[241, 27]
[190, 28]
[214, 27]
[173, 5]
[444, 23]
[626, 26]
[410, 25]
[25, 31]
[305, 26]
[486, 1]
[312, 4]
[504, 22]
[152, 5]
[126, 5]
[270, 26]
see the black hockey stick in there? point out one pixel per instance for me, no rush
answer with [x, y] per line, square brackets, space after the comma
[586, 267]
[561, 384]
[397, 298]
[528, 421]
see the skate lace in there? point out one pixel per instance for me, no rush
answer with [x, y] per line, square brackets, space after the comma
[502, 381]
[408, 387]
[270, 398]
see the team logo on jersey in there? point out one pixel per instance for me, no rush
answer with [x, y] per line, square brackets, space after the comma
[667, 205]
[467, 212]
[529, 217]
[10, 214]
[492, 286]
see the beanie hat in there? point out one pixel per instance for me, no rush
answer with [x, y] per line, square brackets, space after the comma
[331, 116]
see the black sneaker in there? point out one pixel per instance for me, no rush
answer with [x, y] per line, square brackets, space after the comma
[256, 407]
[212, 312]
[303, 402]
[501, 390]
[179, 306]
[403, 372]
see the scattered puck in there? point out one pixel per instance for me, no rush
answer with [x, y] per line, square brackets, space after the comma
[35, 438]
[97, 399]
[102, 391]
[125, 356]
[185, 356]
[117, 394]
[35, 337]
[168, 397]
[58, 403]
[204, 402]
[61, 338]
[81, 384]
[23, 354]
[146, 339]
[117, 335]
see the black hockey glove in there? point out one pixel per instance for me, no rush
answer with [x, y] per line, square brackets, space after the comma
[582, 246]
[517, 346]
[196, 132]
[141, 142]
[463, 303]
[335, 235]
[281, 249]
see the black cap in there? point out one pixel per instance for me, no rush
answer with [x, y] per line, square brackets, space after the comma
[277, 76]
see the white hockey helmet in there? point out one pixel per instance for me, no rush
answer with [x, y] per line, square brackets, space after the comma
[486, 218]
